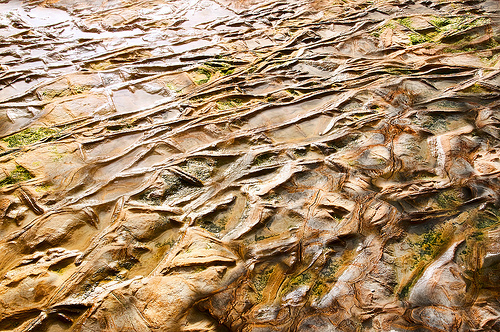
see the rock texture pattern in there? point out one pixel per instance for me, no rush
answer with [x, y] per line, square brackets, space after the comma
[253, 166]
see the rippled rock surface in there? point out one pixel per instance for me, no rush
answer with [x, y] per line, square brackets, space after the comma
[249, 166]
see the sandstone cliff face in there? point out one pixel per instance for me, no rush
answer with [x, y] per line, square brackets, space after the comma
[249, 166]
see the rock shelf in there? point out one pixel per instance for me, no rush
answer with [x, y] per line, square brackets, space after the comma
[217, 165]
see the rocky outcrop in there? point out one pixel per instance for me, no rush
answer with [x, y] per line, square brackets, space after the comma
[249, 166]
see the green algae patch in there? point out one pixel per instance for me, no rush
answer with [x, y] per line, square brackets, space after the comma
[331, 268]
[261, 281]
[449, 199]
[396, 72]
[202, 76]
[71, 91]
[458, 23]
[476, 88]
[264, 159]
[488, 218]
[299, 280]
[223, 68]
[213, 226]
[405, 21]
[19, 174]
[201, 168]
[120, 126]
[318, 289]
[430, 244]
[416, 38]
[303, 279]
[28, 136]
[425, 249]
[229, 103]
[448, 30]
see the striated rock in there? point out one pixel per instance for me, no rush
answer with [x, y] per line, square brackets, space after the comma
[249, 166]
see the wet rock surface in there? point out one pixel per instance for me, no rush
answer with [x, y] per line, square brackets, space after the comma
[249, 166]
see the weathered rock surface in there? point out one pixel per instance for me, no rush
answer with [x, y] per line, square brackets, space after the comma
[249, 166]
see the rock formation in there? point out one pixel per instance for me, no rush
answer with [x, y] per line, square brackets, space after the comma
[219, 165]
